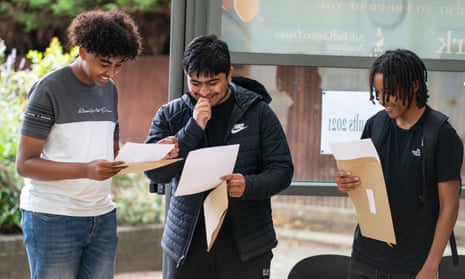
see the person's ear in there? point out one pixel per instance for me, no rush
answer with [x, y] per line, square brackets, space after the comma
[82, 53]
[416, 86]
[230, 73]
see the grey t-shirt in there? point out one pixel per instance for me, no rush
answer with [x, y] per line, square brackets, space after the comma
[78, 123]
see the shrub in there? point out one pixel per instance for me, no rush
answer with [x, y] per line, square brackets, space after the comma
[134, 203]
[10, 216]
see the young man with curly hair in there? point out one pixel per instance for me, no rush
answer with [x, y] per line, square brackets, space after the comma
[66, 152]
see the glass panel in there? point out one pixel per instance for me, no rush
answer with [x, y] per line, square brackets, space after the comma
[297, 98]
[345, 28]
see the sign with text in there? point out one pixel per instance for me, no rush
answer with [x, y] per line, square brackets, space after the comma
[362, 28]
[343, 116]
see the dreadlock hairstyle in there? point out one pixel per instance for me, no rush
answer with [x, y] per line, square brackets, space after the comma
[111, 33]
[207, 56]
[401, 69]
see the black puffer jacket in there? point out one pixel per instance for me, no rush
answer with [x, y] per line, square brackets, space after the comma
[264, 159]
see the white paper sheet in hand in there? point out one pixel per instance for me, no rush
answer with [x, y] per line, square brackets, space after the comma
[143, 152]
[204, 167]
[352, 149]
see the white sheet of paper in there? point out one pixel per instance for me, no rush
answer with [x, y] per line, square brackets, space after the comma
[214, 207]
[348, 150]
[204, 167]
[132, 152]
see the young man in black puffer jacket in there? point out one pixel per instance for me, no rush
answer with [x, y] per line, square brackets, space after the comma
[219, 110]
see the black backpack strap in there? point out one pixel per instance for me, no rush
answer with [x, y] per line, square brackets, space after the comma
[430, 131]
[379, 128]
[453, 249]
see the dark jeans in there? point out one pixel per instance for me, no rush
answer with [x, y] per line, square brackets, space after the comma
[361, 270]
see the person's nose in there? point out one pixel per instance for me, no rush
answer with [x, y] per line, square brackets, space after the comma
[204, 90]
[112, 71]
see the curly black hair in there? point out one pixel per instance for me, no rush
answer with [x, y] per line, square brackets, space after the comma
[401, 68]
[111, 34]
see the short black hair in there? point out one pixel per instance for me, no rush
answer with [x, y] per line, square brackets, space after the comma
[207, 55]
[401, 68]
[112, 33]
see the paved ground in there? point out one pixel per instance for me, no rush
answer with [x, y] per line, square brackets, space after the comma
[303, 231]
[293, 246]
[140, 275]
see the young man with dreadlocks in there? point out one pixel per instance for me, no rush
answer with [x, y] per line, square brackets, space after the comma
[66, 152]
[422, 223]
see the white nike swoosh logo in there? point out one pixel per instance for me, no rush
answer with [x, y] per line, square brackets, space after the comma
[237, 129]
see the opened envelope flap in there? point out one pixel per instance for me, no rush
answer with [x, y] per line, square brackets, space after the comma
[215, 207]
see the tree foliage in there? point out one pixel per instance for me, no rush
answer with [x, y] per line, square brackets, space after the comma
[32, 14]
[30, 24]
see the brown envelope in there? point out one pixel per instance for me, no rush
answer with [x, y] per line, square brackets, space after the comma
[370, 199]
[214, 207]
